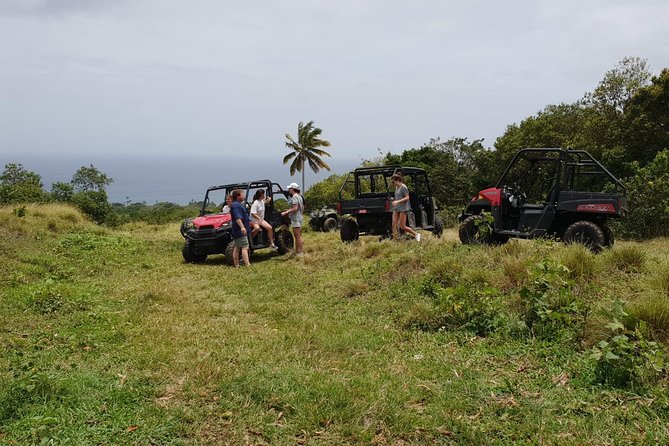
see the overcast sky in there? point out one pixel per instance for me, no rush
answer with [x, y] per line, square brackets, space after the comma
[208, 77]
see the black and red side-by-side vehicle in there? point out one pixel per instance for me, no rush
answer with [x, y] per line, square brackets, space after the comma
[561, 193]
[211, 232]
[365, 202]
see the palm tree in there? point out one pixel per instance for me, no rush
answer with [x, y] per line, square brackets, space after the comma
[306, 150]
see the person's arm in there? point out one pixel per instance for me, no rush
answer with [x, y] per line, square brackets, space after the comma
[402, 200]
[292, 210]
[240, 222]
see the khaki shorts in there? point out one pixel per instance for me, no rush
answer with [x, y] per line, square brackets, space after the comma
[242, 242]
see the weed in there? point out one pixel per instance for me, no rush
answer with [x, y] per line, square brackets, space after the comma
[20, 211]
[626, 358]
[550, 301]
[475, 309]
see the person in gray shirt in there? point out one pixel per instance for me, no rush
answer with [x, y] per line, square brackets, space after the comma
[296, 212]
[401, 207]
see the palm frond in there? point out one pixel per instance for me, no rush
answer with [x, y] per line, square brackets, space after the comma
[289, 157]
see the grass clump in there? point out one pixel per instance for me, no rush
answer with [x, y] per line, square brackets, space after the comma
[580, 261]
[627, 259]
[660, 280]
[654, 311]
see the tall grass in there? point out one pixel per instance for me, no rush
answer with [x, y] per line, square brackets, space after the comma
[627, 259]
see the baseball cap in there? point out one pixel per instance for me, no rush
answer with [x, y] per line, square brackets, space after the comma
[293, 186]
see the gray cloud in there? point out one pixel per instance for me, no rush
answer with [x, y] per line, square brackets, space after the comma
[155, 76]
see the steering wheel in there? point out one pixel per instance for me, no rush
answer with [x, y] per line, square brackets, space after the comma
[518, 191]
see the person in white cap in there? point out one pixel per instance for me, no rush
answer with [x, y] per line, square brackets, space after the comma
[296, 211]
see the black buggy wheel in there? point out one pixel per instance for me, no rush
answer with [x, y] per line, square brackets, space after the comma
[284, 241]
[349, 231]
[330, 224]
[438, 229]
[228, 254]
[189, 255]
[608, 237]
[586, 233]
[473, 231]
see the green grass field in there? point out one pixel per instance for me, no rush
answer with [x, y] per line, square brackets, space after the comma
[107, 337]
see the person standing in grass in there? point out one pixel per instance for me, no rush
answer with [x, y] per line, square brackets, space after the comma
[240, 228]
[401, 208]
[296, 211]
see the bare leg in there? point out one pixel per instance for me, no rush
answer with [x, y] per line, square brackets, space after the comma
[235, 256]
[299, 243]
[403, 224]
[245, 256]
[255, 230]
[396, 217]
[270, 233]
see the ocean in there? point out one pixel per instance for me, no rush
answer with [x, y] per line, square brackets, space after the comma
[177, 179]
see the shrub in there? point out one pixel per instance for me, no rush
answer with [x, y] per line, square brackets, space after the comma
[627, 258]
[550, 301]
[626, 358]
[94, 204]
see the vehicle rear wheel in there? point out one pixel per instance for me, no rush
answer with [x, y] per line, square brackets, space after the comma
[284, 241]
[330, 224]
[438, 229]
[609, 238]
[189, 255]
[349, 231]
[586, 233]
[474, 231]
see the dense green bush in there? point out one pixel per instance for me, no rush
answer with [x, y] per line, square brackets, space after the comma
[325, 192]
[94, 204]
[648, 198]
[18, 185]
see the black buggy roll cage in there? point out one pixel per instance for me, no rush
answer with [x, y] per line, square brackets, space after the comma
[386, 171]
[269, 186]
[577, 164]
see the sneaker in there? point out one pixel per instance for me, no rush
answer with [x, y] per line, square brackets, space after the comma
[418, 237]
[300, 254]
[273, 247]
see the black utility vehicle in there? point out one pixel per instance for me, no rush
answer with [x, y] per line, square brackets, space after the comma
[325, 219]
[211, 232]
[365, 202]
[566, 194]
